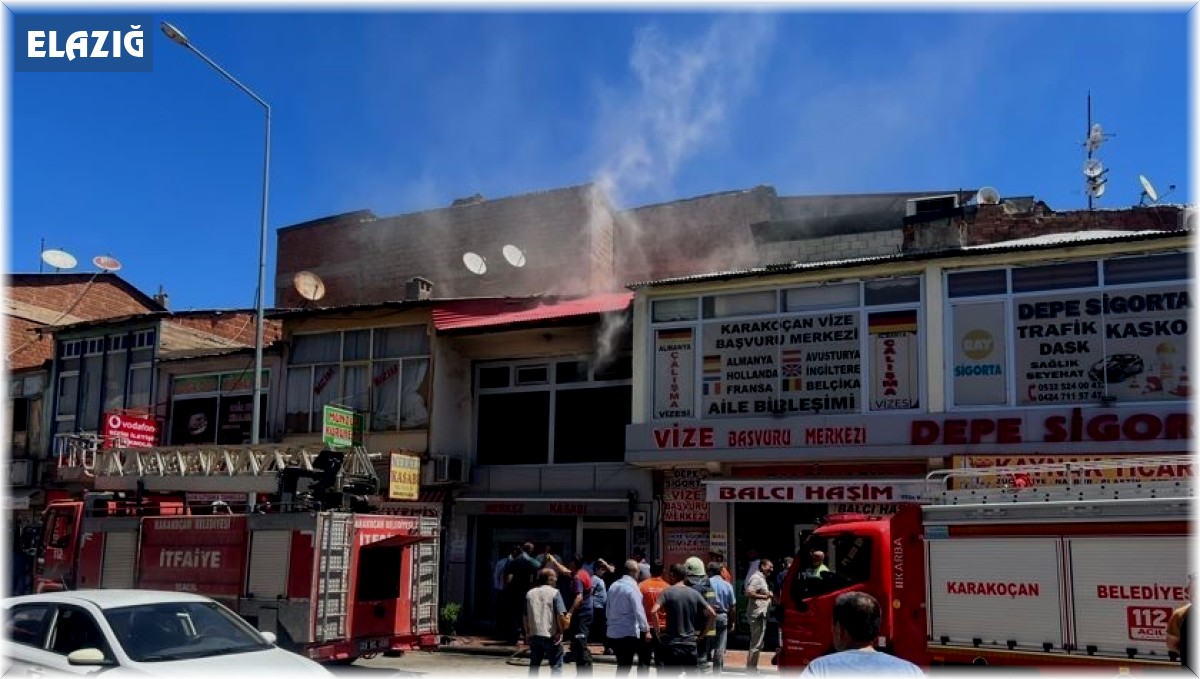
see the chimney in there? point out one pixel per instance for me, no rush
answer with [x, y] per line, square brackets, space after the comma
[162, 298]
[417, 288]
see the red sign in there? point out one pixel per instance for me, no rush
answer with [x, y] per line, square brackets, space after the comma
[1147, 623]
[128, 431]
[203, 554]
[1055, 429]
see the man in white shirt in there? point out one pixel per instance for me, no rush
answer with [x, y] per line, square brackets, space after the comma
[856, 619]
[627, 622]
[546, 619]
[759, 596]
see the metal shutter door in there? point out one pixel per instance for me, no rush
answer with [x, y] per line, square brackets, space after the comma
[1124, 590]
[269, 551]
[996, 590]
[120, 557]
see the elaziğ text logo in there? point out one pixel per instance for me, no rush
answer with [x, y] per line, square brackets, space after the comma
[83, 43]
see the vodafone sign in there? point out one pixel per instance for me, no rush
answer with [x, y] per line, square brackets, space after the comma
[127, 431]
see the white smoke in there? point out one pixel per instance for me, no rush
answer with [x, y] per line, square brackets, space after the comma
[686, 91]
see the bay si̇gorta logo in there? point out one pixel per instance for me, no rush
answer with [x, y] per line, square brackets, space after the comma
[82, 42]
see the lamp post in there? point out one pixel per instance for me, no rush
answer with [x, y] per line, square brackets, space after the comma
[179, 38]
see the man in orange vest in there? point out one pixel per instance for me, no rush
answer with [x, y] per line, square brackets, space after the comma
[649, 652]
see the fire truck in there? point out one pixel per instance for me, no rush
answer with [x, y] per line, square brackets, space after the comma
[285, 538]
[1063, 564]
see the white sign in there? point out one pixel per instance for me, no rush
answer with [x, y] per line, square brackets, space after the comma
[866, 490]
[674, 373]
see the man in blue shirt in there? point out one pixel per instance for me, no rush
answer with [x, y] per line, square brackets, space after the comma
[724, 605]
[856, 618]
[626, 618]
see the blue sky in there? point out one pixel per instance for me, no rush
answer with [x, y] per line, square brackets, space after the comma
[405, 111]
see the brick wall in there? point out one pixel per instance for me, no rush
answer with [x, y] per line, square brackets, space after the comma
[238, 326]
[363, 260]
[101, 299]
[28, 350]
[850, 246]
[993, 224]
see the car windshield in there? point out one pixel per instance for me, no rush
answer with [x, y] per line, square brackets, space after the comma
[181, 630]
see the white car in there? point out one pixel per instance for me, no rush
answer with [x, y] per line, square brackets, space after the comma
[141, 632]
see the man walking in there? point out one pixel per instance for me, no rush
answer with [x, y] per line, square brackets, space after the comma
[498, 603]
[698, 581]
[519, 576]
[688, 616]
[759, 595]
[724, 607]
[545, 620]
[627, 623]
[856, 618]
[600, 604]
[580, 612]
[650, 651]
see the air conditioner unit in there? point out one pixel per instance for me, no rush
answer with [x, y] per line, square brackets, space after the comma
[20, 473]
[450, 469]
[916, 206]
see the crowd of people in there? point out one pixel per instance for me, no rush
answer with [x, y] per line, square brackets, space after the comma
[671, 618]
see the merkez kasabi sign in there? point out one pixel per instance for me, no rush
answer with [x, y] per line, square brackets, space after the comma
[341, 427]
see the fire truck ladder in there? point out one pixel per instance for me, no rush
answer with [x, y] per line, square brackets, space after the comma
[227, 469]
[1130, 488]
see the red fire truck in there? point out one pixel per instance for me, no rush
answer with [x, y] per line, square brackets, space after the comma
[332, 584]
[1051, 565]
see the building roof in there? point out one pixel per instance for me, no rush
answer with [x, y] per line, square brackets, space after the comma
[64, 278]
[1048, 242]
[803, 217]
[507, 311]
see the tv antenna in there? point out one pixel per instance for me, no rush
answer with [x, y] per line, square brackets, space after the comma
[514, 255]
[1093, 169]
[308, 285]
[106, 263]
[474, 263]
[59, 259]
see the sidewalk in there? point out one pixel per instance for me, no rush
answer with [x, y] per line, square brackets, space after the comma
[735, 660]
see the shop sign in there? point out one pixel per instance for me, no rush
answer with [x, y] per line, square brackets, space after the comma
[1057, 478]
[426, 509]
[404, 482]
[979, 351]
[341, 428]
[718, 541]
[881, 509]
[674, 373]
[682, 543]
[129, 431]
[873, 491]
[683, 496]
[1070, 347]
[1073, 427]
[895, 360]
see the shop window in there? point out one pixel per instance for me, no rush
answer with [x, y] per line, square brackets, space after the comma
[589, 424]
[532, 374]
[400, 342]
[114, 381]
[92, 384]
[356, 345]
[514, 428]
[740, 304]
[494, 377]
[68, 395]
[323, 348]
[615, 368]
[568, 372]
[1055, 277]
[898, 291]
[977, 283]
[821, 297]
[139, 386]
[669, 310]
[1170, 267]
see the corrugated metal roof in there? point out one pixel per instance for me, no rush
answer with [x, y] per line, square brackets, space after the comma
[490, 313]
[1035, 243]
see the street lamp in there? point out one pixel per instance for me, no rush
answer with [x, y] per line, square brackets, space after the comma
[179, 38]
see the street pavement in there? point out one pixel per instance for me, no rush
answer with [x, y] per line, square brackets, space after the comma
[483, 657]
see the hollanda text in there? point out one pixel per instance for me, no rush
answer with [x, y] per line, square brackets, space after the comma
[87, 44]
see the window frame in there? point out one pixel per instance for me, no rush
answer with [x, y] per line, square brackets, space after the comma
[552, 386]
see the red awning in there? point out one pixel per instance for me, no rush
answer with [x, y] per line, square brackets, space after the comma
[490, 313]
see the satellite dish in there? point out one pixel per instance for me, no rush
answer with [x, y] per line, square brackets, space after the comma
[106, 263]
[59, 259]
[1148, 190]
[514, 255]
[1092, 167]
[309, 285]
[1096, 189]
[988, 196]
[1095, 138]
[475, 264]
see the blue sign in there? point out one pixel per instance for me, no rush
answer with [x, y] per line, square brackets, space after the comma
[82, 42]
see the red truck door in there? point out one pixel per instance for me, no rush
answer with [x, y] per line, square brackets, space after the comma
[202, 554]
[58, 557]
